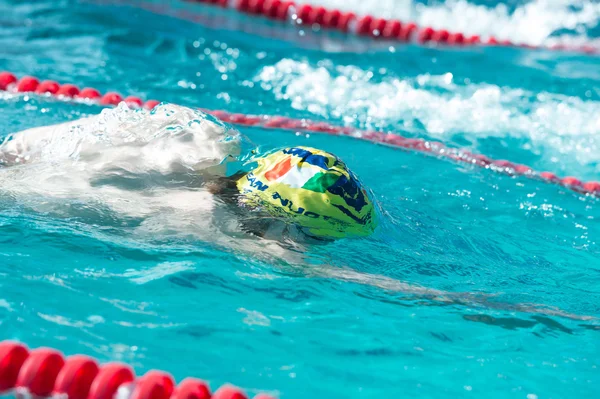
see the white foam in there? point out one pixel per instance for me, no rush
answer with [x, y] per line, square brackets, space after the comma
[532, 22]
[567, 125]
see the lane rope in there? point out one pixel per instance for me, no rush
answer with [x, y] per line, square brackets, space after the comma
[318, 17]
[70, 92]
[45, 372]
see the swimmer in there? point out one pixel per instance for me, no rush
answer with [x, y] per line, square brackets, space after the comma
[296, 193]
[176, 172]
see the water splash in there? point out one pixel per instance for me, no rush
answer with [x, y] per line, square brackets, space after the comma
[124, 167]
[565, 125]
[165, 139]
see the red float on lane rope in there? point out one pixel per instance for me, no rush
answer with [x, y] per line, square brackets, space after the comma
[40, 370]
[229, 392]
[7, 79]
[68, 90]
[133, 101]
[571, 181]
[12, 357]
[110, 377]
[151, 104]
[345, 20]
[111, 98]
[407, 32]
[192, 388]
[47, 86]
[89, 93]
[27, 84]
[392, 29]
[592, 187]
[76, 377]
[331, 19]
[153, 385]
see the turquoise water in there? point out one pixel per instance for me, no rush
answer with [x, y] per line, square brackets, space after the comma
[516, 259]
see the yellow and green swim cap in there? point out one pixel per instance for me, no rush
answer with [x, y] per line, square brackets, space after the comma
[311, 188]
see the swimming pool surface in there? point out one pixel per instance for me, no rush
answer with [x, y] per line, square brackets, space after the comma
[520, 256]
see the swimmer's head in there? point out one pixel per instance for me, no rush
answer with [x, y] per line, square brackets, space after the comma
[312, 189]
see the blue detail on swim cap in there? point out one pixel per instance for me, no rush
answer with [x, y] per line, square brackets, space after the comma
[350, 191]
[308, 157]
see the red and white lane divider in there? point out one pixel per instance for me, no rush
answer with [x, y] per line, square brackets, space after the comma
[45, 372]
[369, 26]
[28, 84]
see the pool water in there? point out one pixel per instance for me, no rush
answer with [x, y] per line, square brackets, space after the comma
[511, 264]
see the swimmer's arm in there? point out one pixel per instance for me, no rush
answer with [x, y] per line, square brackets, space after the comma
[224, 186]
[476, 300]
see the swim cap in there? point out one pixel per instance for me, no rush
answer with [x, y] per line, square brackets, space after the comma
[311, 188]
